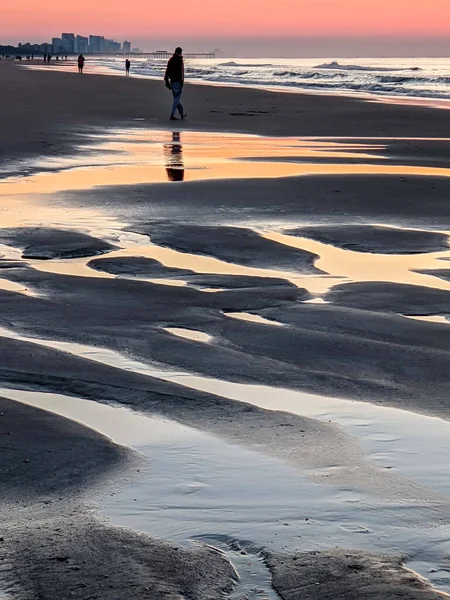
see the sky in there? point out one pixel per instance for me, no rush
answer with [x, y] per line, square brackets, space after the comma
[297, 27]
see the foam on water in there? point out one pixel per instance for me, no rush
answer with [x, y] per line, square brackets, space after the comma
[412, 77]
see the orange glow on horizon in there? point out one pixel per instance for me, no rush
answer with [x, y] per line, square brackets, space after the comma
[31, 21]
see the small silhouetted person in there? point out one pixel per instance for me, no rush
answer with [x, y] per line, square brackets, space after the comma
[127, 67]
[49, 58]
[174, 78]
[45, 57]
[66, 57]
[174, 158]
[80, 61]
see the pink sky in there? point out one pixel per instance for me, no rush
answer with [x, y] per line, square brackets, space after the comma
[141, 19]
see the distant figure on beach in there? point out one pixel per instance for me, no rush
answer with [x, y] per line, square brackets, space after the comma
[174, 78]
[174, 158]
[49, 57]
[45, 57]
[127, 67]
[80, 63]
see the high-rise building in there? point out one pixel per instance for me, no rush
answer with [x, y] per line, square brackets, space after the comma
[96, 43]
[81, 45]
[68, 43]
[45, 48]
[111, 46]
[57, 45]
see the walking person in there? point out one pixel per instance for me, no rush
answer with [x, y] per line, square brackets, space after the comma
[174, 79]
[127, 67]
[80, 61]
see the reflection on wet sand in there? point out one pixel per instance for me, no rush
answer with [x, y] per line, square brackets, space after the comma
[189, 334]
[143, 157]
[245, 316]
[83, 178]
[12, 286]
[340, 265]
[204, 157]
[160, 156]
[363, 266]
[174, 158]
[430, 319]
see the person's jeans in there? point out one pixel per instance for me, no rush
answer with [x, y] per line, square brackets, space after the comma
[177, 90]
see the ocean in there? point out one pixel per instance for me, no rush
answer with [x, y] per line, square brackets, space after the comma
[405, 77]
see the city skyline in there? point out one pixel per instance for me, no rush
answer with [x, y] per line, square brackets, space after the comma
[71, 43]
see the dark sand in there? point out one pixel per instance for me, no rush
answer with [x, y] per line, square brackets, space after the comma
[345, 574]
[134, 266]
[51, 547]
[417, 201]
[231, 244]
[327, 349]
[63, 558]
[138, 266]
[441, 273]
[45, 243]
[43, 454]
[379, 240]
[56, 371]
[355, 347]
[391, 297]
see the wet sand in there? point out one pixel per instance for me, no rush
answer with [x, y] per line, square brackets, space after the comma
[51, 546]
[248, 292]
[95, 101]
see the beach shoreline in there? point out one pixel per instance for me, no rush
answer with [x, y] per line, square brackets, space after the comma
[94, 69]
[50, 107]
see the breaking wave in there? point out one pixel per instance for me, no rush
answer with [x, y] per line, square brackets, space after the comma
[335, 65]
[425, 80]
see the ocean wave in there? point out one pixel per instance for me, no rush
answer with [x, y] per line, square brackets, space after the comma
[430, 82]
[399, 79]
[309, 75]
[235, 64]
[377, 88]
[406, 79]
[335, 65]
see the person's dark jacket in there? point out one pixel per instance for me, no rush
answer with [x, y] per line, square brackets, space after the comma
[175, 69]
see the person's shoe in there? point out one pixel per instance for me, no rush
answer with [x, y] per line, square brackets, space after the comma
[184, 116]
[172, 118]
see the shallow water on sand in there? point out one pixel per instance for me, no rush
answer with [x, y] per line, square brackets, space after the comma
[134, 157]
[130, 158]
[408, 444]
[200, 487]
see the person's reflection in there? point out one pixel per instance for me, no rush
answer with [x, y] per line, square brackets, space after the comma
[174, 158]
